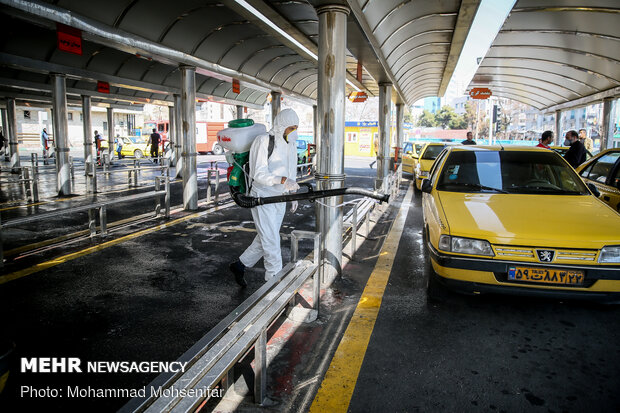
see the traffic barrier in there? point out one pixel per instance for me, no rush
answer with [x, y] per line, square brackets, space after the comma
[101, 207]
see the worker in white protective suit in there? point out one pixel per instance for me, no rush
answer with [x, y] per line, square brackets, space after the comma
[270, 176]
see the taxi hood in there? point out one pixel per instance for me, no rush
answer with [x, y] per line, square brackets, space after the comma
[532, 220]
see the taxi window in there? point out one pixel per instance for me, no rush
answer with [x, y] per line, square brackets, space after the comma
[432, 151]
[601, 168]
[408, 147]
[515, 172]
[418, 147]
[433, 172]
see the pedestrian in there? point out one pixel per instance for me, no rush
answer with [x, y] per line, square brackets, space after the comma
[576, 154]
[45, 144]
[470, 139]
[376, 144]
[155, 139]
[98, 140]
[2, 141]
[545, 140]
[270, 176]
[119, 146]
[587, 142]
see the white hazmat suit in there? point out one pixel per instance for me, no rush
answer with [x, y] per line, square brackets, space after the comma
[266, 175]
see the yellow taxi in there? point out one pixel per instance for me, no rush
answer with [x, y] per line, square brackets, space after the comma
[136, 146]
[428, 153]
[603, 171]
[518, 220]
[411, 153]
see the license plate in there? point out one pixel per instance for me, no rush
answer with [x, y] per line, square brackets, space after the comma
[546, 275]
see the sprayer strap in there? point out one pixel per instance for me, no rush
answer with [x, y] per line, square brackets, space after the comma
[272, 143]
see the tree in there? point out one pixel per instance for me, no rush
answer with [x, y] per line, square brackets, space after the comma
[470, 115]
[458, 122]
[426, 120]
[445, 116]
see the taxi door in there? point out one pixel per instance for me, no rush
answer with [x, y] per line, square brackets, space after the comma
[410, 158]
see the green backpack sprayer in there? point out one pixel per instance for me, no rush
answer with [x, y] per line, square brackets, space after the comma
[237, 139]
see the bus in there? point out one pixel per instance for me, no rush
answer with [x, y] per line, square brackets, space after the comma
[206, 134]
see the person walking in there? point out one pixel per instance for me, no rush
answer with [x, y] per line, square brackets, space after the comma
[155, 139]
[587, 142]
[469, 139]
[98, 140]
[270, 175]
[45, 145]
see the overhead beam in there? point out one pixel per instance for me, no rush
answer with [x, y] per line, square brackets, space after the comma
[37, 66]
[106, 35]
[586, 100]
[467, 12]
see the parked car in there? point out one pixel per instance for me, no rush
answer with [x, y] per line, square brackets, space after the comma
[518, 220]
[411, 154]
[428, 153]
[302, 151]
[603, 171]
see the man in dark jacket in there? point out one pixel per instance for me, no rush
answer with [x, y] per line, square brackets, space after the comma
[470, 139]
[576, 154]
[155, 139]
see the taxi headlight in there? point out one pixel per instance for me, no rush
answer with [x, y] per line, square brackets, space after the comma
[610, 254]
[465, 245]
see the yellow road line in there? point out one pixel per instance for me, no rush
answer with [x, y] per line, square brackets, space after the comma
[68, 257]
[337, 387]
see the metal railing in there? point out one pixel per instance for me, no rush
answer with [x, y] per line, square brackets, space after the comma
[29, 183]
[132, 174]
[212, 359]
[100, 207]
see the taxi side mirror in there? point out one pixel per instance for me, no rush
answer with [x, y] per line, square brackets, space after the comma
[408, 153]
[594, 190]
[427, 186]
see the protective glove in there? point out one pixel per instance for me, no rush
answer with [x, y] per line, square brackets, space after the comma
[290, 185]
[294, 205]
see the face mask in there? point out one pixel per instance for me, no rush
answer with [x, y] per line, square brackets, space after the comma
[567, 142]
[291, 137]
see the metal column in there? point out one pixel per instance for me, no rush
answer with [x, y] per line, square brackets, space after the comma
[88, 128]
[61, 134]
[240, 112]
[558, 127]
[331, 116]
[178, 132]
[188, 110]
[11, 114]
[275, 105]
[607, 129]
[400, 133]
[383, 156]
[110, 113]
[172, 136]
[5, 131]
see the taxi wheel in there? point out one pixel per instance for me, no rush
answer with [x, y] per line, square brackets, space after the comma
[217, 149]
[138, 154]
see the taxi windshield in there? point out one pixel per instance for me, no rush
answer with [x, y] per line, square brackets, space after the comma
[513, 172]
[432, 151]
[301, 144]
[137, 139]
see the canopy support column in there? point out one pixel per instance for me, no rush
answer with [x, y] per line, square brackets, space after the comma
[87, 127]
[331, 117]
[61, 134]
[188, 111]
[11, 114]
[383, 156]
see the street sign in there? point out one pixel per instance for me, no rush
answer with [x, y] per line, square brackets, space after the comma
[480, 93]
[69, 39]
[358, 96]
[103, 87]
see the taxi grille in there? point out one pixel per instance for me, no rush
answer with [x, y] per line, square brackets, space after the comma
[529, 253]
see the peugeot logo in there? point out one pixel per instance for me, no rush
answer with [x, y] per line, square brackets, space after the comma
[545, 255]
